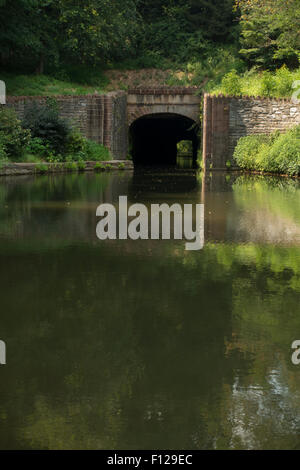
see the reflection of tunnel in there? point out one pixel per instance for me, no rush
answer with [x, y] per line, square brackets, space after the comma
[154, 138]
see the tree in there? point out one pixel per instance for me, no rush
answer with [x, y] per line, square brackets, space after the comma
[99, 30]
[270, 31]
[30, 33]
[63, 31]
[213, 17]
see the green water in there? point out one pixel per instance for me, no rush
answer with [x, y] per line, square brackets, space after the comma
[142, 344]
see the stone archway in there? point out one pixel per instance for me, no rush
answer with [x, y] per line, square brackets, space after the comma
[154, 137]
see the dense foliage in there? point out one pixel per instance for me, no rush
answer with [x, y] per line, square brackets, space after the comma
[44, 136]
[276, 153]
[59, 33]
[278, 84]
[13, 138]
[270, 31]
[44, 122]
[55, 32]
[74, 42]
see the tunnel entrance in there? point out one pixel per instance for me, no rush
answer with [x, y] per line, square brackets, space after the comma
[153, 138]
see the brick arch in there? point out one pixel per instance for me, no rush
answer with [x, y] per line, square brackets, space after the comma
[141, 111]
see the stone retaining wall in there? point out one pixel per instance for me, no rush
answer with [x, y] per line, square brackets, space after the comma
[226, 119]
[12, 169]
[102, 118]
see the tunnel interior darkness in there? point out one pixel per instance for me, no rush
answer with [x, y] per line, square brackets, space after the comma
[153, 138]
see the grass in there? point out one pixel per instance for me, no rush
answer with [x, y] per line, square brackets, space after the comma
[39, 85]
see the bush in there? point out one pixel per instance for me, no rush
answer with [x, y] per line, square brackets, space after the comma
[79, 149]
[36, 146]
[284, 154]
[75, 143]
[3, 155]
[44, 122]
[276, 153]
[13, 137]
[268, 84]
[256, 83]
[96, 152]
[284, 81]
[48, 137]
[231, 83]
[246, 153]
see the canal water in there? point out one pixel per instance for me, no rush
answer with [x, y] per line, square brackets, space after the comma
[123, 344]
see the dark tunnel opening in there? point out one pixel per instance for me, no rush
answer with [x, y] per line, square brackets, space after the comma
[153, 138]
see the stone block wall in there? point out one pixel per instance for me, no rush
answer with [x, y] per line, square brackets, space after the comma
[173, 100]
[105, 118]
[101, 118]
[226, 119]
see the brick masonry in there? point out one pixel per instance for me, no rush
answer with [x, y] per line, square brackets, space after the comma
[226, 119]
[106, 118]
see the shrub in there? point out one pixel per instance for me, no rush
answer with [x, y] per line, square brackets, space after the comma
[44, 122]
[231, 83]
[45, 135]
[3, 155]
[276, 153]
[79, 148]
[36, 146]
[75, 143]
[70, 165]
[284, 81]
[246, 153]
[96, 152]
[255, 83]
[268, 84]
[99, 166]
[284, 154]
[13, 137]
[2, 145]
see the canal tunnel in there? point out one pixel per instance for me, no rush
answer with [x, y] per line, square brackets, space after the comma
[153, 138]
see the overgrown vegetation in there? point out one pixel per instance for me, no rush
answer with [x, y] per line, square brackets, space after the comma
[44, 136]
[57, 36]
[277, 84]
[275, 153]
[225, 74]
[229, 46]
[13, 138]
[270, 32]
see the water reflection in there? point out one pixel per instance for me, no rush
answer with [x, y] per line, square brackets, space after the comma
[141, 344]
